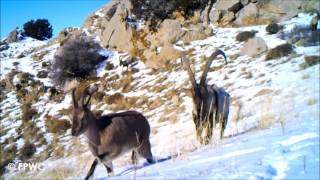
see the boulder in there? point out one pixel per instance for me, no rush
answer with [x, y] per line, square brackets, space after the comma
[248, 15]
[227, 18]
[14, 36]
[116, 33]
[196, 32]
[223, 8]
[244, 2]
[170, 31]
[165, 59]
[66, 34]
[108, 10]
[253, 47]
[229, 5]
[265, 12]
[215, 15]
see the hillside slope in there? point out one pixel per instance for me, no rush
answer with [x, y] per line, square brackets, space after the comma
[275, 105]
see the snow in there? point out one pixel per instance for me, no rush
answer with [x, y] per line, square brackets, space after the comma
[287, 149]
[265, 154]
[296, 139]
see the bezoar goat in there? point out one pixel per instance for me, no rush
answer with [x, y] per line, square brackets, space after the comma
[210, 102]
[111, 135]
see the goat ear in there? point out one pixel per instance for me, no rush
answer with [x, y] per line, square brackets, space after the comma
[75, 104]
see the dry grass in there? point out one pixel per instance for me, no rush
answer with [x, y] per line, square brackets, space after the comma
[311, 102]
[157, 102]
[280, 51]
[266, 114]
[263, 92]
[54, 125]
[60, 172]
[305, 76]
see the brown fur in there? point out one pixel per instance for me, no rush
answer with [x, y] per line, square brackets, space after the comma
[111, 135]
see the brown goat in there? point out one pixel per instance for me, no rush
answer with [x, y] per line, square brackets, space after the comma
[111, 135]
[210, 102]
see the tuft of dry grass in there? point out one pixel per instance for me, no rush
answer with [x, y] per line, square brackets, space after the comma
[60, 172]
[263, 92]
[54, 125]
[311, 102]
[266, 116]
[305, 76]
[280, 51]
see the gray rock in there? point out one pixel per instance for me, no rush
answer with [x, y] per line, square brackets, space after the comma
[248, 15]
[66, 34]
[170, 31]
[165, 59]
[215, 15]
[197, 32]
[245, 2]
[226, 4]
[116, 33]
[253, 47]
[265, 12]
[14, 36]
[227, 18]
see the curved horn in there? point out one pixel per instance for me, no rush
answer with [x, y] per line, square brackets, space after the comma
[186, 66]
[88, 91]
[75, 104]
[209, 62]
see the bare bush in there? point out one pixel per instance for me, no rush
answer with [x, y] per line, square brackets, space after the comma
[273, 28]
[280, 51]
[245, 35]
[76, 59]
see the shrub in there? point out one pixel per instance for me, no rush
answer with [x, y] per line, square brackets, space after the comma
[42, 74]
[158, 10]
[9, 154]
[27, 150]
[279, 51]
[77, 58]
[310, 61]
[245, 35]
[273, 28]
[40, 29]
[54, 125]
[27, 112]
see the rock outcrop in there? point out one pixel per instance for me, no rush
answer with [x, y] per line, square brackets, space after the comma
[14, 36]
[252, 12]
[66, 34]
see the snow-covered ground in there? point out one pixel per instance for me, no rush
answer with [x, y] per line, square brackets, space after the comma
[273, 127]
[291, 152]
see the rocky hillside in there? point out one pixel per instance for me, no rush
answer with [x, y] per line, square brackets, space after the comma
[272, 78]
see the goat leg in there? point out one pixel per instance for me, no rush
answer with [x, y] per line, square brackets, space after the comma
[93, 167]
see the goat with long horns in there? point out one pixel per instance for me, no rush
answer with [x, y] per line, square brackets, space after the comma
[210, 102]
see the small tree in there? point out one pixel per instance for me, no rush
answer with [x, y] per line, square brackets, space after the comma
[40, 29]
[77, 58]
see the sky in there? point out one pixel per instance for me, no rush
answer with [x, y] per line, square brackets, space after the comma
[60, 13]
